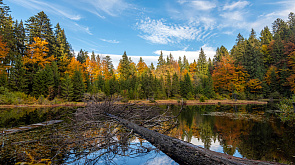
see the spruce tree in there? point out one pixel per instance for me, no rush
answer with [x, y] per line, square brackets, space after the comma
[202, 63]
[67, 88]
[78, 86]
[175, 85]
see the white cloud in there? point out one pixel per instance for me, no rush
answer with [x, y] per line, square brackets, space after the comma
[203, 5]
[236, 15]
[156, 31]
[48, 7]
[267, 19]
[110, 41]
[198, 5]
[109, 7]
[82, 28]
[236, 5]
[190, 55]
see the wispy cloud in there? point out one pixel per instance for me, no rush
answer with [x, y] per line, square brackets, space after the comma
[157, 31]
[110, 41]
[236, 15]
[105, 7]
[82, 28]
[48, 7]
[198, 5]
[203, 5]
[236, 5]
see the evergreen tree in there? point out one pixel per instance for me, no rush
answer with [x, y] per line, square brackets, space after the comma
[82, 56]
[56, 79]
[168, 85]
[186, 86]
[40, 26]
[202, 63]
[67, 88]
[161, 61]
[17, 76]
[78, 86]
[124, 67]
[175, 85]
[266, 36]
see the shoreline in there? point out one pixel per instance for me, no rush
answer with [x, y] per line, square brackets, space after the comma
[197, 102]
[146, 102]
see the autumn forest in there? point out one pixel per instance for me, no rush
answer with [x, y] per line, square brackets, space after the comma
[37, 61]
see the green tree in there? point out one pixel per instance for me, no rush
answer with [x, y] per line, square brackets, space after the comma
[67, 88]
[175, 85]
[186, 86]
[202, 63]
[78, 86]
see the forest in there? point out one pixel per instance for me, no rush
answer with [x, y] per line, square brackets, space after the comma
[37, 61]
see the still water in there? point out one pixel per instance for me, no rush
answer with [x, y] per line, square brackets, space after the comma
[248, 131]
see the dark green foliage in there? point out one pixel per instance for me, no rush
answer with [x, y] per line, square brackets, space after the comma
[186, 86]
[67, 88]
[78, 86]
[82, 56]
[17, 78]
[175, 85]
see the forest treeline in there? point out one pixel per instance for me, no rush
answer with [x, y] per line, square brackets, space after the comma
[36, 60]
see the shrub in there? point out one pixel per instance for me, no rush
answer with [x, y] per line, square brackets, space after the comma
[203, 98]
[287, 111]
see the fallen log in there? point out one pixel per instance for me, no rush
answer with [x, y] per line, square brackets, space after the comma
[183, 152]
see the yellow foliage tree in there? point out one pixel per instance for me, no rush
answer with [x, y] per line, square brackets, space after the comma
[38, 53]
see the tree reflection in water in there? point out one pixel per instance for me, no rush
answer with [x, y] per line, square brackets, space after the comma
[89, 136]
[248, 131]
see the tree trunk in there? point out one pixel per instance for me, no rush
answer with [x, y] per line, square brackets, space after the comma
[183, 152]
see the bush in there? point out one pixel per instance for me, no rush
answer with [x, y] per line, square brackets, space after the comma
[287, 111]
[203, 98]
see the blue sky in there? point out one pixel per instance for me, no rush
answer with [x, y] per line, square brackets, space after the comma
[144, 27]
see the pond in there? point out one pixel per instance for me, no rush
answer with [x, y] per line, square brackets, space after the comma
[248, 131]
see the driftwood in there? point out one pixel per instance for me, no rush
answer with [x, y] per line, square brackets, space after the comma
[183, 152]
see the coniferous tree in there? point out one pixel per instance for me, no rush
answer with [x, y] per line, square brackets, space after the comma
[67, 88]
[175, 85]
[17, 78]
[202, 63]
[186, 86]
[78, 86]
[40, 26]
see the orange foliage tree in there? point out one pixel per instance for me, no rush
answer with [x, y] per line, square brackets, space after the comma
[73, 66]
[4, 50]
[38, 53]
[141, 66]
[227, 77]
[254, 85]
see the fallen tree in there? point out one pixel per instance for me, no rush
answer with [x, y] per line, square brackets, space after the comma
[183, 152]
[137, 118]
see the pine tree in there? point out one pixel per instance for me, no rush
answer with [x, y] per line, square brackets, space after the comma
[175, 85]
[124, 67]
[40, 26]
[186, 86]
[168, 85]
[78, 86]
[17, 76]
[266, 36]
[202, 63]
[82, 56]
[161, 61]
[67, 88]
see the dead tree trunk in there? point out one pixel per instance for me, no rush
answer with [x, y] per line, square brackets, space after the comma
[183, 152]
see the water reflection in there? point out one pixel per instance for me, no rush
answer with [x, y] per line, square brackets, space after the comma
[248, 131]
